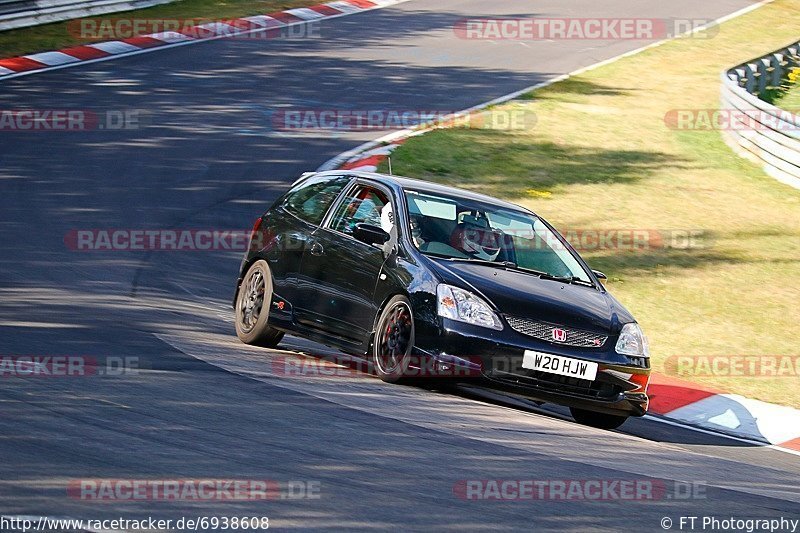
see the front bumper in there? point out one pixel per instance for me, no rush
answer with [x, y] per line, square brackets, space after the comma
[495, 358]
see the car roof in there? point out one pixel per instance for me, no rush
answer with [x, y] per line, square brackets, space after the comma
[428, 187]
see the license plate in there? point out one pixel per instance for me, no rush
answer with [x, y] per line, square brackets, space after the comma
[556, 364]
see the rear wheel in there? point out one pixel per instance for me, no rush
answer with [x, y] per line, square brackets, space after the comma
[394, 340]
[597, 420]
[252, 308]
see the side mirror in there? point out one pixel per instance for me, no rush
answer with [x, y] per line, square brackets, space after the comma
[369, 234]
[600, 275]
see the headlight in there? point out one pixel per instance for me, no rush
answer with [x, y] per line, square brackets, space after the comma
[464, 306]
[632, 341]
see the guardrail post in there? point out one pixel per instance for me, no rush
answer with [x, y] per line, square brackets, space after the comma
[750, 78]
[764, 75]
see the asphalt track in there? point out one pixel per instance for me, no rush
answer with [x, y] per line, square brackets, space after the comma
[205, 406]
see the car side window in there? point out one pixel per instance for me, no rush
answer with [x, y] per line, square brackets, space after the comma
[363, 205]
[311, 199]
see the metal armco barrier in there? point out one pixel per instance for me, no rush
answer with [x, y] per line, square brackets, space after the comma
[761, 131]
[21, 13]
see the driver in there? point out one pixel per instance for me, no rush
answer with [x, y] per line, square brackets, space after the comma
[476, 240]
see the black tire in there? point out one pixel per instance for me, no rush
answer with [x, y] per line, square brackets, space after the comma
[252, 308]
[394, 340]
[597, 420]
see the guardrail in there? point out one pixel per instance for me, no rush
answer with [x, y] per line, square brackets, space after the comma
[758, 130]
[21, 13]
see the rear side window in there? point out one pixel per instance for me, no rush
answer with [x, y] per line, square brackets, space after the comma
[311, 199]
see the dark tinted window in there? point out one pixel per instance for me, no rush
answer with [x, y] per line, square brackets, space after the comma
[311, 199]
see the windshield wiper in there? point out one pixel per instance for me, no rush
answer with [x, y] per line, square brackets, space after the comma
[510, 265]
[567, 279]
[553, 277]
[498, 264]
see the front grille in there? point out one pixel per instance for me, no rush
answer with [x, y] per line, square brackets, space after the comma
[545, 332]
[597, 389]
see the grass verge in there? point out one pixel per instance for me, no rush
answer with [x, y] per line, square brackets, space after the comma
[602, 156]
[58, 35]
[791, 99]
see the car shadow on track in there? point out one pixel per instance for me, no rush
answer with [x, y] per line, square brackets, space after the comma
[309, 359]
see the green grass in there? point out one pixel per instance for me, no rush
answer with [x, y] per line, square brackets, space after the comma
[791, 99]
[58, 35]
[601, 156]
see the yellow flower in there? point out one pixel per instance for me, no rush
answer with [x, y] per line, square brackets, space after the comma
[794, 75]
[534, 193]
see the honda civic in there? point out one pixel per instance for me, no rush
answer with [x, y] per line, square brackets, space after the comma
[425, 280]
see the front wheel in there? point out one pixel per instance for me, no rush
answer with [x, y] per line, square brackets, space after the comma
[597, 420]
[252, 308]
[394, 340]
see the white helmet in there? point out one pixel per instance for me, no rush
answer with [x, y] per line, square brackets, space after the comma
[476, 241]
[387, 218]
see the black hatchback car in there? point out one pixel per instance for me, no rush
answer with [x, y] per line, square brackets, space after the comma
[433, 281]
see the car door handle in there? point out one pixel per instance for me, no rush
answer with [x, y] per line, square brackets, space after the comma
[317, 249]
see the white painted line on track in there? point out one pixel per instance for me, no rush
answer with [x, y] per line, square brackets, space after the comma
[760, 444]
[332, 164]
[523, 404]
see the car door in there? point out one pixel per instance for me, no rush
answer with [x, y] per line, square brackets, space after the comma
[296, 216]
[340, 273]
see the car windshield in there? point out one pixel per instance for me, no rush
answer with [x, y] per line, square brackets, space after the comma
[461, 229]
